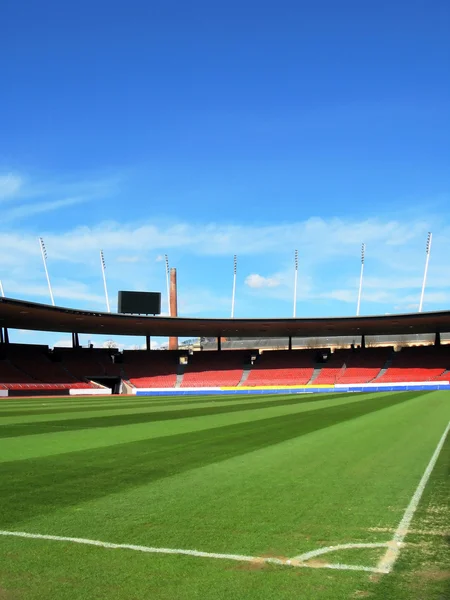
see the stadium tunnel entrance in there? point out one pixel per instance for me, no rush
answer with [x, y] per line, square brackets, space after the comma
[113, 383]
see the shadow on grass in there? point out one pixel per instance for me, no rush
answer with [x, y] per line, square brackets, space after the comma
[19, 429]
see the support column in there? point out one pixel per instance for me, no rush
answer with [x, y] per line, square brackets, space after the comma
[1, 335]
[219, 343]
[147, 342]
[363, 342]
[173, 341]
[5, 336]
[75, 340]
[437, 341]
[290, 342]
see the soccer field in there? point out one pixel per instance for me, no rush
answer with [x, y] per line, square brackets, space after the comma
[243, 497]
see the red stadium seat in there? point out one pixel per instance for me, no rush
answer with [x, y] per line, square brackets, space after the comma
[155, 368]
[215, 369]
[282, 367]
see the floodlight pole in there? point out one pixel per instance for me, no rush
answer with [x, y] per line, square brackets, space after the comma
[363, 252]
[103, 265]
[2, 291]
[233, 296]
[44, 260]
[427, 260]
[295, 282]
[166, 259]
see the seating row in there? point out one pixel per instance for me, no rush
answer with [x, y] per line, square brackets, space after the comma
[35, 366]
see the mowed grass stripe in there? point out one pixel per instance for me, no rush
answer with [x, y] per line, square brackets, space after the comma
[39, 486]
[341, 483]
[105, 401]
[105, 420]
[46, 408]
[328, 487]
[115, 403]
[34, 446]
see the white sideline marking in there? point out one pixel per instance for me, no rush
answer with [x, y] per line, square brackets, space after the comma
[386, 564]
[237, 557]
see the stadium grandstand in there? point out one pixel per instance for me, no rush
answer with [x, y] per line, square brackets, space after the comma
[231, 354]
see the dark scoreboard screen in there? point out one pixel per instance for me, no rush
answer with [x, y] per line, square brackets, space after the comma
[139, 303]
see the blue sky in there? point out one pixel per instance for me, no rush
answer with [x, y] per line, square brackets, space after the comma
[202, 129]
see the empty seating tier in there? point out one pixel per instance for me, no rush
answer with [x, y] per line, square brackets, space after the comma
[215, 369]
[88, 362]
[154, 368]
[363, 366]
[427, 363]
[282, 367]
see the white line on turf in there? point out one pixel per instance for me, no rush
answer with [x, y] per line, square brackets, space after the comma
[387, 562]
[196, 553]
[326, 549]
[385, 565]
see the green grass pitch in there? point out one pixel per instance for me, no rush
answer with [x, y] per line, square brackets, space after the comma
[271, 476]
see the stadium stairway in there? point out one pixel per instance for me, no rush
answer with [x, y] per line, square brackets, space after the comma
[315, 374]
[385, 367]
[215, 368]
[245, 374]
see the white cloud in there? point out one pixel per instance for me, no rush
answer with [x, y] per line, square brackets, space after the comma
[258, 281]
[316, 239]
[64, 290]
[10, 185]
[329, 251]
[33, 196]
[27, 210]
[341, 295]
[128, 259]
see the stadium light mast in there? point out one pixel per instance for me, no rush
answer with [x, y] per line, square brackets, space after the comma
[295, 282]
[166, 259]
[44, 260]
[233, 295]
[2, 291]
[103, 265]
[427, 260]
[363, 253]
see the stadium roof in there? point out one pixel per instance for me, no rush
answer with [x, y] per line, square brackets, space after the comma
[19, 314]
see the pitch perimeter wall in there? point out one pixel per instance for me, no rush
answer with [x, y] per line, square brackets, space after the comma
[367, 387]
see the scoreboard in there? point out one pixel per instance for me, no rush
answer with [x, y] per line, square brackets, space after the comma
[139, 303]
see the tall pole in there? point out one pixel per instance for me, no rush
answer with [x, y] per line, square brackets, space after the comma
[44, 260]
[295, 282]
[233, 297]
[427, 260]
[2, 291]
[102, 262]
[363, 252]
[173, 341]
[166, 258]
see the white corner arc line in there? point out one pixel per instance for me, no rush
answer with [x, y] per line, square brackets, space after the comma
[387, 562]
[196, 553]
[327, 549]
